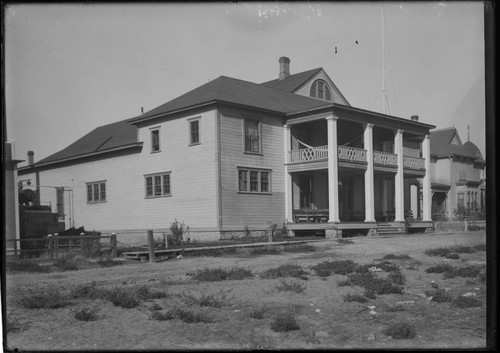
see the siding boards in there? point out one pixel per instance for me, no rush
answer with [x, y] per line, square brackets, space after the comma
[253, 210]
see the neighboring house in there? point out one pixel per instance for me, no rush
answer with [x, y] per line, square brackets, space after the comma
[458, 175]
[233, 155]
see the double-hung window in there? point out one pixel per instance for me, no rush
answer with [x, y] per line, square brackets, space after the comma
[96, 192]
[158, 185]
[254, 180]
[155, 140]
[252, 136]
[194, 131]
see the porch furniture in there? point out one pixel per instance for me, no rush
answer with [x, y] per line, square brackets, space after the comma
[311, 215]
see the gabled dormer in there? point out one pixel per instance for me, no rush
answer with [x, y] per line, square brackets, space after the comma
[312, 83]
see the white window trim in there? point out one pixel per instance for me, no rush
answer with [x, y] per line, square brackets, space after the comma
[269, 171]
[151, 129]
[327, 85]
[198, 118]
[99, 186]
[260, 152]
[152, 175]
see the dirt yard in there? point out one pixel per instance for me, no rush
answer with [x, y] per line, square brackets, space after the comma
[246, 308]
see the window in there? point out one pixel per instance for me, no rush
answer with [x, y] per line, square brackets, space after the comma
[194, 126]
[252, 136]
[254, 180]
[321, 90]
[96, 192]
[155, 140]
[158, 185]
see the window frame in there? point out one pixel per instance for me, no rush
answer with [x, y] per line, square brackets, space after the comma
[326, 90]
[97, 188]
[259, 132]
[152, 131]
[191, 121]
[248, 180]
[157, 182]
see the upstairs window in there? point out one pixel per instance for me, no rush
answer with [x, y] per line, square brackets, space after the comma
[252, 136]
[155, 140]
[194, 126]
[321, 90]
[96, 192]
[158, 185]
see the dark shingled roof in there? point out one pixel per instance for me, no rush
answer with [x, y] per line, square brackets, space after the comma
[441, 146]
[472, 148]
[231, 90]
[103, 138]
[292, 82]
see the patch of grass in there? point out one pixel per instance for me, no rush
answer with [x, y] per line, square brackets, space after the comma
[86, 314]
[221, 274]
[400, 331]
[339, 267]
[286, 270]
[386, 266]
[88, 290]
[374, 285]
[182, 314]
[163, 316]
[109, 262]
[480, 247]
[26, 266]
[258, 313]
[441, 268]
[345, 241]
[446, 251]
[299, 248]
[355, 298]
[397, 277]
[70, 262]
[295, 287]
[211, 300]
[343, 283]
[284, 322]
[123, 298]
[212, 252]
[397, 257]
[452, 256]
[14, 325]
[395, 308]
[155, 307]
[466, 271]
[36, 297]
[467, 302]
[265, 250]
[439, 295]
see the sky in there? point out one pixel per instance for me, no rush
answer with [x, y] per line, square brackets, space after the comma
[71, 68]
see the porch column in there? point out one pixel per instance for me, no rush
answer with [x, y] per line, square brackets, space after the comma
[369, 189]
[426, 187]
[288, 177]
[399, 181]
[333, 178]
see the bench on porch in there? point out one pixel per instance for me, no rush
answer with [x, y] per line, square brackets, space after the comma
[310, 216]
[391, 215]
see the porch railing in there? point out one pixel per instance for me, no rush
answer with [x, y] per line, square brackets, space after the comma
[413, 162]
[385, 158]
[352, 153]
[309, 154]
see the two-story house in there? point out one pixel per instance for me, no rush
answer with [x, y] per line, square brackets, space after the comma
[458, 175]
[233, 155]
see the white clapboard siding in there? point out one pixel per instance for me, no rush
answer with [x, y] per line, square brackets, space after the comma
[253, 210]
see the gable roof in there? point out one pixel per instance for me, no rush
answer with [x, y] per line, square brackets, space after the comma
[441, 144]
[292, 82]
[104, 138]
[230, 90]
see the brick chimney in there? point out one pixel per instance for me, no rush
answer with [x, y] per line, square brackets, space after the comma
[31, 157]
[414, 117]
[284, 68]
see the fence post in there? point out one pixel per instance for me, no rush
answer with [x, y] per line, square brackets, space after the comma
[56, 245]
[51, 247]
[150, 245]
[113, 245]
[466, 222]
[15, 249]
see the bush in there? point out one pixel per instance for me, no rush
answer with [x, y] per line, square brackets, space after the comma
[446, 251]
[88, 291]
[299, 248]
[108, 262]
[176, 236]
[400, 331]
[284, 322]
[441, 268]
[163, 316]
[155, 307]
[467, 271]
[123, 298]
[86, 314]
[343, 283]
[258, 313]
[70, 262]
[220, 274]
[467, 302]
[355, 298]
[295, 287]
[374, 285]
[439, 295]
[397, 257]
[181, 314]
[36, 297]
[26, 266]
[397, 277]
[395, 308]
[386, 266]
[14, 325]
[265, 250]
[210, 300]
[340, 267]
[453, 256]
[287, 270]
[480, 247]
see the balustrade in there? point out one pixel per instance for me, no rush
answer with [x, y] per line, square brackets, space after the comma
[385, 158]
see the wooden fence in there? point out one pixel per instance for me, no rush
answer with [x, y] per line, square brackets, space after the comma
[52, 246]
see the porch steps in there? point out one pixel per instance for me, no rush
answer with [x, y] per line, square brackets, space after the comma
[389, 229]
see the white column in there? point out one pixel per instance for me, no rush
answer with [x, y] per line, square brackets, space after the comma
[288, 177]
[399, 181]
[426, 187]
[369, 189]
[333, 177]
